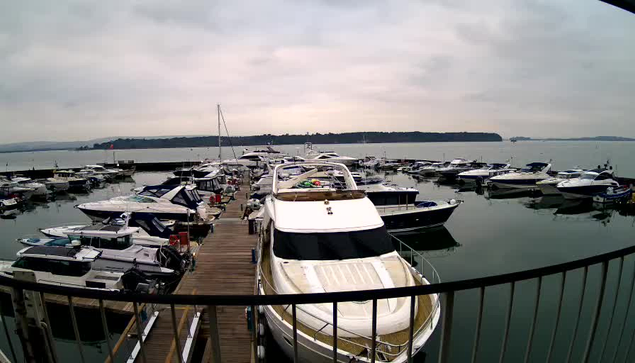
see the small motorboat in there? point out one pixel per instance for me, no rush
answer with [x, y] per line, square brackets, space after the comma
[9, 202]
[483, 174]
[432, 169]
[75, 182]
[525, 179]
[55, 185]
[591, 183]
[69, 266]
[549, 186]
[39, 189]
[181, 203]
[118, 253]
[151, 231]
[419, 215]
[614, 195]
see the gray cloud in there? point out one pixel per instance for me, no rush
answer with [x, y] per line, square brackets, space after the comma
[74, 69]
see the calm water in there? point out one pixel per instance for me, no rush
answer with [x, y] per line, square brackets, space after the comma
[488, 234]
[564, 154]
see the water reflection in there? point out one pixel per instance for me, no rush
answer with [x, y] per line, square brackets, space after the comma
[430, 240]
[510, 193]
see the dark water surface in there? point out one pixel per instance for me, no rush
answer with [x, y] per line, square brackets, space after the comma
[489, 234]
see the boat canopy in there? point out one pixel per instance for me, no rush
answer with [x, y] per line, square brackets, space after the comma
[180, 195]
[151, 224]
[534, 167]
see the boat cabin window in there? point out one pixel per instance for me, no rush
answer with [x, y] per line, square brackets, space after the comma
[332, 246]
[603, 176]
[532, 168]
[250, 157]
[56, 267]
[120, 243]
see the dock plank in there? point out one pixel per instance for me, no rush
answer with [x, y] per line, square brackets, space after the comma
[223, 266]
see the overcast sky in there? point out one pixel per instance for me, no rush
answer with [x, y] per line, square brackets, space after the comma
[73, 70]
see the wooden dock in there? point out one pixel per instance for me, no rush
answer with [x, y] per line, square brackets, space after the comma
[223, 266]
[119, 307]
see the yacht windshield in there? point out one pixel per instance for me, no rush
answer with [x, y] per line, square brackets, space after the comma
[588, 177]
[332, 246]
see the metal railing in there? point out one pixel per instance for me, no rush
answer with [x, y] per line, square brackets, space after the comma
[594, 342]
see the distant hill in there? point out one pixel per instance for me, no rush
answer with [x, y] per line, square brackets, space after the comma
[593, 138]
[48, 145]
[330, 138]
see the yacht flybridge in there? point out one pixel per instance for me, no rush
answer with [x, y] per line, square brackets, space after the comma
[321, 234]
[181, 203]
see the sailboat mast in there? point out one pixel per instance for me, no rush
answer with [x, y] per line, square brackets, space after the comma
[219, 147]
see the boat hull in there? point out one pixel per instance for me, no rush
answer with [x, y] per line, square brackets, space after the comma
[582, 192]
[515, 183]
[100, 215]
[399, 219]
[312, 350]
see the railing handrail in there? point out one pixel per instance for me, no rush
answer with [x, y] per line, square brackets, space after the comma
[318, 298]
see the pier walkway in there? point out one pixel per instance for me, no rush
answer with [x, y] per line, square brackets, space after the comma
[223, 266]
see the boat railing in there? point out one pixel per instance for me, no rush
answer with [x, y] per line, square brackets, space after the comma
[583, 297]
[427, 323]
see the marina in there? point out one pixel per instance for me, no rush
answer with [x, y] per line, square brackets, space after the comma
[231, 245]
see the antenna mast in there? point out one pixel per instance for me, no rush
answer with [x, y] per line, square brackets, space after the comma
[219, 147]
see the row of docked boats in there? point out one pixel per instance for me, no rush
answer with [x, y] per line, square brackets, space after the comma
[135, 242]
[599, 184]
[130, 252]
[16, 190]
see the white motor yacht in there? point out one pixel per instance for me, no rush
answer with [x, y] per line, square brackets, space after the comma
[72, 267]
[320, 236]
[38, 189]
[55, 185]
[590, 183]
[181, 203]
[118, 251]
[431, 170]
[109, 174]
[75, 183]
[549, 186]
[483, 174]
[9, 188]
[526, 178]
[331, 157]
[455, 167]
[151, 232]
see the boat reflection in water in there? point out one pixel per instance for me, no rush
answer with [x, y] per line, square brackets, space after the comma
[438, 239]
[500, 193]
[576, 210]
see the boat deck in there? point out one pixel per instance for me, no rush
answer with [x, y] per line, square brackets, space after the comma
[391, 344]
[223, 266]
